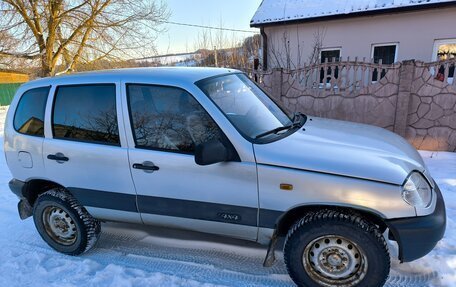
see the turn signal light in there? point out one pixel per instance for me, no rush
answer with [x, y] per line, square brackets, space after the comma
[286, 186]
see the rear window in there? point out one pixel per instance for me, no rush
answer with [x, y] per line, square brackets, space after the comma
[86, 113]
[29, 116]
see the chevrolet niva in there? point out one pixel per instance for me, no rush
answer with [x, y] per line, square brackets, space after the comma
[207, 150]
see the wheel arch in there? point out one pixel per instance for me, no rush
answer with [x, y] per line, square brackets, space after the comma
[291, 216]
[34, 187]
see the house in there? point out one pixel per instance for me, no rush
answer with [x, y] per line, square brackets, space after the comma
[295, 32]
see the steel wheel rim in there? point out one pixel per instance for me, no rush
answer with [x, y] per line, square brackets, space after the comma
[59, 225]
[333, 260]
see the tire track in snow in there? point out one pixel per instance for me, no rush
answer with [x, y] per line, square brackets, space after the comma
[183, 269]
[222, 265]
[417, 280]
[219, 263]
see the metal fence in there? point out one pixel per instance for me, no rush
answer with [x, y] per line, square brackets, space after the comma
[7, 92]
[9, 83]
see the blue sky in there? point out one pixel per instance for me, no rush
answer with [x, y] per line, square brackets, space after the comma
[232, 13]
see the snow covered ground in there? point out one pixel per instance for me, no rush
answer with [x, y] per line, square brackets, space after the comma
[137, 256]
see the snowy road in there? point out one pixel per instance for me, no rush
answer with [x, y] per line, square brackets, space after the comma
[136, 256]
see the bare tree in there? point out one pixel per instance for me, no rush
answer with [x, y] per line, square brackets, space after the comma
[203, 40]
[281, 52]
[60, 34]
[232, 51]
[319, 37]
[284, 56]
[7, 43]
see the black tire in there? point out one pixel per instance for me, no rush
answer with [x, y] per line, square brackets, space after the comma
[307, 260]
[65, 225]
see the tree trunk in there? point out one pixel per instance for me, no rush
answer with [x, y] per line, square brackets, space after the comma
[46, 70]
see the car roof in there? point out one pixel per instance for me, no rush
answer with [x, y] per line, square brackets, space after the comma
[164, 75]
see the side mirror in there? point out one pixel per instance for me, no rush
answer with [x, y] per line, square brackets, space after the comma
[212, 152]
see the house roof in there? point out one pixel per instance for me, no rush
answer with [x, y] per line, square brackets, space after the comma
[283, 11]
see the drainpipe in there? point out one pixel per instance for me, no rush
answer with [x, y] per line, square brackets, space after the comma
[265, 48]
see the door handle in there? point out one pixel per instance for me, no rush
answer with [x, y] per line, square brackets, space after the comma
[146, 167]
[59, 157]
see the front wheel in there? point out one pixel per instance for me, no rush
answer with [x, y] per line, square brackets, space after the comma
[332, 248]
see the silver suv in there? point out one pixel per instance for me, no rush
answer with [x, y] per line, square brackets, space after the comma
[207, 150]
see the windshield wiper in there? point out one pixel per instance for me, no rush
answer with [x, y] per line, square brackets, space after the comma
[296, 121]
[274, 131]
[297, 118]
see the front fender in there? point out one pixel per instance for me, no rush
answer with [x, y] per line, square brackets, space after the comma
[314, 188]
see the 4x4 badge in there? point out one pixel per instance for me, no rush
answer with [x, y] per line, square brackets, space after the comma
[229, 216]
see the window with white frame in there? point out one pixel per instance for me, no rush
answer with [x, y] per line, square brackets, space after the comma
[329, 55]
[385, 53]
[444, 50]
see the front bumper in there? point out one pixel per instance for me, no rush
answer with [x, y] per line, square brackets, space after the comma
[417, 236]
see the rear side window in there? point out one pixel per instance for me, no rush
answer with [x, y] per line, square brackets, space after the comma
[29, 117]
[86, 113]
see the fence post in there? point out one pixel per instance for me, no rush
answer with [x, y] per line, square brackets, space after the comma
[406, 75]
[277, 78]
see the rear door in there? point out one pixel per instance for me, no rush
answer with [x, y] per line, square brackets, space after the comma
[166, 124]
[24, 133]
[84, 151]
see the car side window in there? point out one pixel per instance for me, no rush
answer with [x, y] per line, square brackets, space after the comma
[86, 113]
[168, 118]
[29, 116]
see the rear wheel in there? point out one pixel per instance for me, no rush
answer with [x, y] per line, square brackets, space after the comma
[331, 248]
[63, 223]
[59, 225]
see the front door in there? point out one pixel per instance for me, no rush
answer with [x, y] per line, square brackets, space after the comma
[167, 123]
[84, 151]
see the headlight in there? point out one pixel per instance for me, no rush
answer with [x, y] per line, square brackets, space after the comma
[416, 191]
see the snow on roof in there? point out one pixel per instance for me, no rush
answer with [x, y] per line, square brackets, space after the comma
[272, 11]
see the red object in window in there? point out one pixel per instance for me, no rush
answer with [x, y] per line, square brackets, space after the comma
[440, 77]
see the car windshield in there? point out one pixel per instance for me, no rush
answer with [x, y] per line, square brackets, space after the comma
[247, 107]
